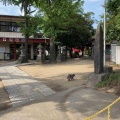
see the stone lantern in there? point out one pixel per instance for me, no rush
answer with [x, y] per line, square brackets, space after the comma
[21, 58]
[22, 50]
[59, 54]
[39, 52]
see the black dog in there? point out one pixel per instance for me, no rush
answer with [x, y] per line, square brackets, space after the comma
[70, 77]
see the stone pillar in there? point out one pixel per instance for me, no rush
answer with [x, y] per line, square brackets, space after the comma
[15, 51]
[98, 51]
[64, 53]
[59, 50]
[43, 55]
[99, 70]
[32, 56]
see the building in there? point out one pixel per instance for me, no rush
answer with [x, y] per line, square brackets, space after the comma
[11, 39]
[115, 53]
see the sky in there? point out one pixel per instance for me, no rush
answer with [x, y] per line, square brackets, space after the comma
[94, 6]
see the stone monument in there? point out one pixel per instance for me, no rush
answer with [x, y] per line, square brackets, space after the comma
[98, 51]
[99, 70]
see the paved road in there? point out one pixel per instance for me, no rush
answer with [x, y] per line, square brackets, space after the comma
[74, 104]
[21, 87]
[42, 103]
[85, 102]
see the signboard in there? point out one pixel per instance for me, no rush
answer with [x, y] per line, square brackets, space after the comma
[23, 39]
[17, 39]
[2, 49]
[4, 39]
[11, 39]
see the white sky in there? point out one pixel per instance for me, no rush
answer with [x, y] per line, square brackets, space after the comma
[89, 6]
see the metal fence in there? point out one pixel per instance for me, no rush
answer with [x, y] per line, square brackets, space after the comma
[103, 110]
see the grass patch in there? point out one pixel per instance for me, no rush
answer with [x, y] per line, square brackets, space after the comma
[110, 80]
[85, 77]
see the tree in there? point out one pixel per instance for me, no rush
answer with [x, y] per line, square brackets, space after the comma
[77, 34]
[112, 7]
[113, 20]
[56, 13]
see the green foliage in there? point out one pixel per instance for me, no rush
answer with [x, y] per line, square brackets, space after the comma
[110, 80]
[112, 6]
[5, 2]
[57, 13]
[33, 25]
[77, 33]
[113, 20]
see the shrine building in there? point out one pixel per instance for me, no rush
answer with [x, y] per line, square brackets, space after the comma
[11, 39]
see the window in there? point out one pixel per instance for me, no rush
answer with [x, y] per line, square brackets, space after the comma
[9, 27]
[2, 23]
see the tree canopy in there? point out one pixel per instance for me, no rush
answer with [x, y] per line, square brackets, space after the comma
[113, 20]
[66, 21]
[77, 34]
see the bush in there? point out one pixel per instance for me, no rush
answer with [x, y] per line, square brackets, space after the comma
[110, 80]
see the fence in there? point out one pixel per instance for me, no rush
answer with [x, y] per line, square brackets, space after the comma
[104, 109]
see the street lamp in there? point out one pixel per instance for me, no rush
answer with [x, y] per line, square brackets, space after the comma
[104, 61]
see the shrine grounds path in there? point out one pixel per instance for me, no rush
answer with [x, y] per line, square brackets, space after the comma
[42, 92]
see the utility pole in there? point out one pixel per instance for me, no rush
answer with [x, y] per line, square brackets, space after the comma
[104, 61]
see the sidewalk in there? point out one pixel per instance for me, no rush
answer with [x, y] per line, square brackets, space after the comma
[74, 104]
[20, 86]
